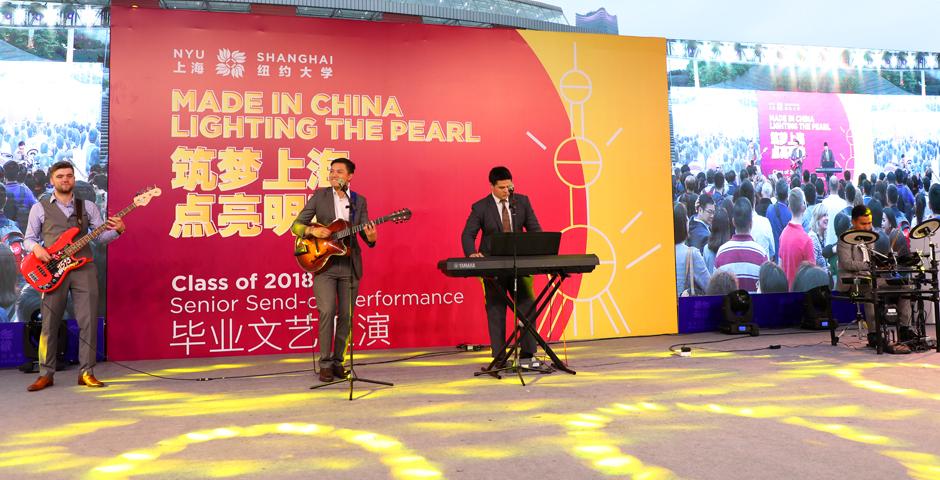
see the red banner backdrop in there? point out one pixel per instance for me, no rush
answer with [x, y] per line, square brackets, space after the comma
[236, 117]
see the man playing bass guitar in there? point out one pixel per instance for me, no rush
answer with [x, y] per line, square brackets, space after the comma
[331, 285]
[48, 219]
[796, 159]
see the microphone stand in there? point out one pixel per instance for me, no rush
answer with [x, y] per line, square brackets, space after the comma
[935, 284]
[352, 377]
[515, 281]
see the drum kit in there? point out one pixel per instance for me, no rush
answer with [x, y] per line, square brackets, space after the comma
[911, 276]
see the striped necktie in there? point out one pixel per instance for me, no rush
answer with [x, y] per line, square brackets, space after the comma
[507, 225]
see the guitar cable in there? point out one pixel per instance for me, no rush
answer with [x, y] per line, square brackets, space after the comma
[261, 375]
[456, 352]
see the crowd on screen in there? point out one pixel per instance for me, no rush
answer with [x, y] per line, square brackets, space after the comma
[713, 151]
[27, 150]
[739, 229]
[38, 144]
[908, 153]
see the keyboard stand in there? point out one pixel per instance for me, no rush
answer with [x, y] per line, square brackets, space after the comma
[524, 323]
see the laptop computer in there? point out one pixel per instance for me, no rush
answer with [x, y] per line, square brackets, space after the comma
[504, 244]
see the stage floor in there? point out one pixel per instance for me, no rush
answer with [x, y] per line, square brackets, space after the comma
[806, 411]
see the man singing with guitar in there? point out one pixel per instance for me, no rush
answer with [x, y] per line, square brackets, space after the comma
[331, 284]
[48, 219]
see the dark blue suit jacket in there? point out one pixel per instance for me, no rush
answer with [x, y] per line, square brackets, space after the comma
[486, 217]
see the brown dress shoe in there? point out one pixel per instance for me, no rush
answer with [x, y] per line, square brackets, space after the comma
[326, 375]
[339, 371]
[89, 380]
[40, 383]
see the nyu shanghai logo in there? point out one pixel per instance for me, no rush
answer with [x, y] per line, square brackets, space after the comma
[234, 64]
[231, 63]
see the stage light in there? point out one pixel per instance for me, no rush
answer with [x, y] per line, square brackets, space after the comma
[817, 309]
[51, 15]
[19, 16]
[87, 16]
[738, 314]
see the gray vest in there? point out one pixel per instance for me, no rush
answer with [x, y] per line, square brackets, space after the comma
[56, 223]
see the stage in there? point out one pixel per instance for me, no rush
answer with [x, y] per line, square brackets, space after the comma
[806, 410]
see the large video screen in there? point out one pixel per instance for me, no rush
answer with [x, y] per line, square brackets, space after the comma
[51, 111]
[839, 149]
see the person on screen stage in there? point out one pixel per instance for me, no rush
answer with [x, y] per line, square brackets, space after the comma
[501, 210]
[337, 284]
[796, 158]
[826, 159]
[48, 219]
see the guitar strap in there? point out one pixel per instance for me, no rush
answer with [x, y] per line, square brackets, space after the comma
[80, 214]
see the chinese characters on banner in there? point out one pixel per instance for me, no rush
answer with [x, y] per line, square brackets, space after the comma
[226, 337]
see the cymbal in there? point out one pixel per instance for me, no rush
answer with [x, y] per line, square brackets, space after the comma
[925, 229]
[859, 237]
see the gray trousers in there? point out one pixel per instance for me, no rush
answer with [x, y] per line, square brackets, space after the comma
[332, 290]
[903, 305]
[83, 285]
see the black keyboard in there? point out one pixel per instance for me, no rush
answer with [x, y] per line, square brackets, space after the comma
[829, 170]
[526, 265]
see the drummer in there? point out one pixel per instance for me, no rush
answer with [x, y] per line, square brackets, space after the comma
[855, 272]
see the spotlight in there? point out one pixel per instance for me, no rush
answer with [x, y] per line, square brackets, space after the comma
[817, 309]
[738, 314]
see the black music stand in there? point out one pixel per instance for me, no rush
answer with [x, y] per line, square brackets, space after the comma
[518, 244]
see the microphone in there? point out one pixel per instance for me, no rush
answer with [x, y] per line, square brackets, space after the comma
[342, 183]
[512, 197]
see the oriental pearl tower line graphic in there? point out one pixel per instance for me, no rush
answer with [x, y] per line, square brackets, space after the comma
[578, 163]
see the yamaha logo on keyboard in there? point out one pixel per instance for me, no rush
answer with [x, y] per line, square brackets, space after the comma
[464, 265]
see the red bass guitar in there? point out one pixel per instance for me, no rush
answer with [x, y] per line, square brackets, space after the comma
[47, 276]
[313, 253]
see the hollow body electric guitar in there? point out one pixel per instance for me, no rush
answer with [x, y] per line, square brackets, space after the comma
[313, 253]
[47, 276]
